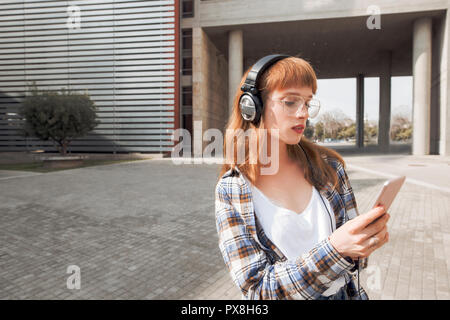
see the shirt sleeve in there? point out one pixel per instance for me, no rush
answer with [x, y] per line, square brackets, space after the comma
[307, 277]
[351, 206]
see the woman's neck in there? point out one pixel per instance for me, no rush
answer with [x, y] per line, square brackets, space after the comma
[285, 163]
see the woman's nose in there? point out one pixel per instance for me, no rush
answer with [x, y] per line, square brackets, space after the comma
[302, 111]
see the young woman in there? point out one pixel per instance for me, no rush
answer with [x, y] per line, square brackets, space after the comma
[294, 233]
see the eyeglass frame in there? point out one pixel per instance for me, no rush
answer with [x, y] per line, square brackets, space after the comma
[303, 104]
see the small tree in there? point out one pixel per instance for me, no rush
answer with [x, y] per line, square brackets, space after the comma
[309, 130]
[319, 131]
[60, 117]
[348, 132]
[401, 127]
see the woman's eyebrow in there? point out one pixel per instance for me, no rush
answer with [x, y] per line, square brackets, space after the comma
[293, 93]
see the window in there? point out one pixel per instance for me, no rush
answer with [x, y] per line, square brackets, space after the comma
[187, 39]
[186, 44]
[187, 124]
[187, 96]
[187, 66]
[187, 9]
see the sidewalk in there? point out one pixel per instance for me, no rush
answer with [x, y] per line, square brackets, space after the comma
[136, 233]
[415, 263]
[433, 170]
[30, 157]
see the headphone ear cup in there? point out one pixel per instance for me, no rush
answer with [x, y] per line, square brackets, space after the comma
[259, 109]
[248, 105]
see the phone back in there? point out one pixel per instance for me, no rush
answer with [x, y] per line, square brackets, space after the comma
[389, 192]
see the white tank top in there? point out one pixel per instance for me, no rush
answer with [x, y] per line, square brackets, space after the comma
[294, 233]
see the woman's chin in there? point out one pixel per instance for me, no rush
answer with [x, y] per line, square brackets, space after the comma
[294, 139]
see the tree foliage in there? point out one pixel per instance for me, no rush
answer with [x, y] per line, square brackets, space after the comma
[336, 125]
[401, 128]
[309, 130]
[58, 116]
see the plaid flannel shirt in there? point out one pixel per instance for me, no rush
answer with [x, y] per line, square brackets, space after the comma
[258, 267]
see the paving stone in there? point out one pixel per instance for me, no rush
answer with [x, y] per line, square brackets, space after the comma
[147, 231]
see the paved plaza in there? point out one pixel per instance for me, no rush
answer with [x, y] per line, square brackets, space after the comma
[146, 230]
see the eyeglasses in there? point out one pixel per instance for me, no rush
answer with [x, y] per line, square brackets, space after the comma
[292, 104]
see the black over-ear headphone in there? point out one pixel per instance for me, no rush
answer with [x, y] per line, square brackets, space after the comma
[250, 102]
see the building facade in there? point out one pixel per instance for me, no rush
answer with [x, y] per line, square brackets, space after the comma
[341, 39]
[123, 52]
[155, 66]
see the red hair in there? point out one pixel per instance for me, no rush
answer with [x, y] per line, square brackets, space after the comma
[285, 73]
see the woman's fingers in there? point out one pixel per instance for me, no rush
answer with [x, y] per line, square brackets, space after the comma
[363, 220]
[362, 235]
[376, 241]
[373, 229]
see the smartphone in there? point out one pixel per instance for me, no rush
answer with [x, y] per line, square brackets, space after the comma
[389, 192]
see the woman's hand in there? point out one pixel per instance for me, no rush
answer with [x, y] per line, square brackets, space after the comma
[359, 237]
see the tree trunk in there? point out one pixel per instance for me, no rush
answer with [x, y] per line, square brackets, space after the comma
[64, 147]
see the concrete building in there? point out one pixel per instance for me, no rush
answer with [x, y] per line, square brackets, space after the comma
[341, 39]
[155, 66]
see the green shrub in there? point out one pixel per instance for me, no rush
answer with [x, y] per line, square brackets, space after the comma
[403, 134]
[58, 116]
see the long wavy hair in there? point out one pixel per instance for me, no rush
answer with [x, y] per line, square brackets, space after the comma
[285, 73]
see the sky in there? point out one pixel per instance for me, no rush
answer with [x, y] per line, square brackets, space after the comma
[341, 93]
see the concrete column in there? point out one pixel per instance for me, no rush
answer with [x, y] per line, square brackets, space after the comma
[421, 85]
[444, 89]
[384, 122]
[360, 111]
[209, 94]
[235, 64]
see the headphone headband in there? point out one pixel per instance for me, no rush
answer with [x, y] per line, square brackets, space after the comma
[258, 69]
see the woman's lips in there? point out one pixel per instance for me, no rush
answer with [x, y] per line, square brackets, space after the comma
[298, 129]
